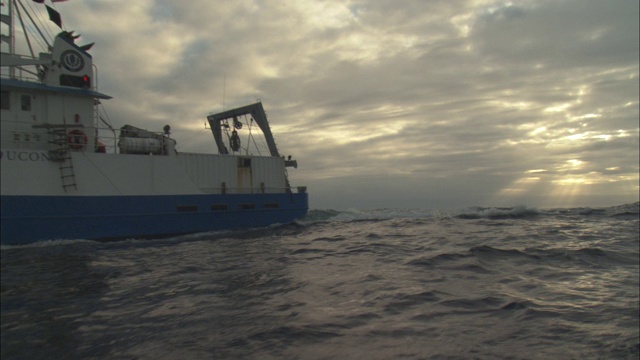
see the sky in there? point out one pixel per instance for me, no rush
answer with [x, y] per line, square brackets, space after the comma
[431, 104]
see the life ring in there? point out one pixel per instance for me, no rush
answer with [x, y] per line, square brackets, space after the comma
[77, 140]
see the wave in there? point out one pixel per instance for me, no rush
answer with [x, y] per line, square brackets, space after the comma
[315, 215]
[626, 211]
[631, 210]
[498, 213]
[485, 259]
[320, 215]
[47, 243]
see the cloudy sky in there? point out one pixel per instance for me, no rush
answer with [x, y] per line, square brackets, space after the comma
[392, 103]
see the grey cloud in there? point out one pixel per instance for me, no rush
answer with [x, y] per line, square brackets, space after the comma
[387, 103]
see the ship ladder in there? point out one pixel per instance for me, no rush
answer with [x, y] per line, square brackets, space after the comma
[61, 153]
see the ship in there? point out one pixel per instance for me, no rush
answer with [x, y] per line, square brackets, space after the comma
[67, 173]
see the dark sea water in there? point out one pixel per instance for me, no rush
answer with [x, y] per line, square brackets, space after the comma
[517, 283]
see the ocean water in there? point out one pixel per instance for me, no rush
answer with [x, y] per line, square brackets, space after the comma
[476, 283]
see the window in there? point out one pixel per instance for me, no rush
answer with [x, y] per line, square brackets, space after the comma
[247, 206]
[4, 100]
[219, 207]
[25, 101]
[244, 162]
[272, 206]
[186, 208]
[75, 81]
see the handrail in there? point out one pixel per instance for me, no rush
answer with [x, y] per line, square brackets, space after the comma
[253, 190]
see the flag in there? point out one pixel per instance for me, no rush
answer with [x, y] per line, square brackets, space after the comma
[54, 16]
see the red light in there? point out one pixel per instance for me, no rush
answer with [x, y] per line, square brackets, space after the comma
[76, 81]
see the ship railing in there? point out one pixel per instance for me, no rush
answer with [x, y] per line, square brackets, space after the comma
[21, 74]
[35, 135]
[24, 73]
[109, 138]
[254, 190]
[18, 72]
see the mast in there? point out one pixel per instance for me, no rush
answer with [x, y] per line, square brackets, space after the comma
[9, 39]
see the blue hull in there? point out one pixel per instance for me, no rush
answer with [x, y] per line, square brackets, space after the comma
[27, 219]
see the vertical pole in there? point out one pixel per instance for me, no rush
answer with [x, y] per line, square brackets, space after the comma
[12, 39]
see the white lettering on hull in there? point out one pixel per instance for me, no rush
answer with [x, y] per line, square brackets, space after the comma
[32, 156]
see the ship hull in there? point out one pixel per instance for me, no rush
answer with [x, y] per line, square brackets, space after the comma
[27, 219]
[117, 196]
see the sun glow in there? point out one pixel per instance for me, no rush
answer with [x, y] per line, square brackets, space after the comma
[345, 134]
[557, 108]
[559, 185]
[537, 131]
[571, 164]
[517, 188]
[571, 181]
